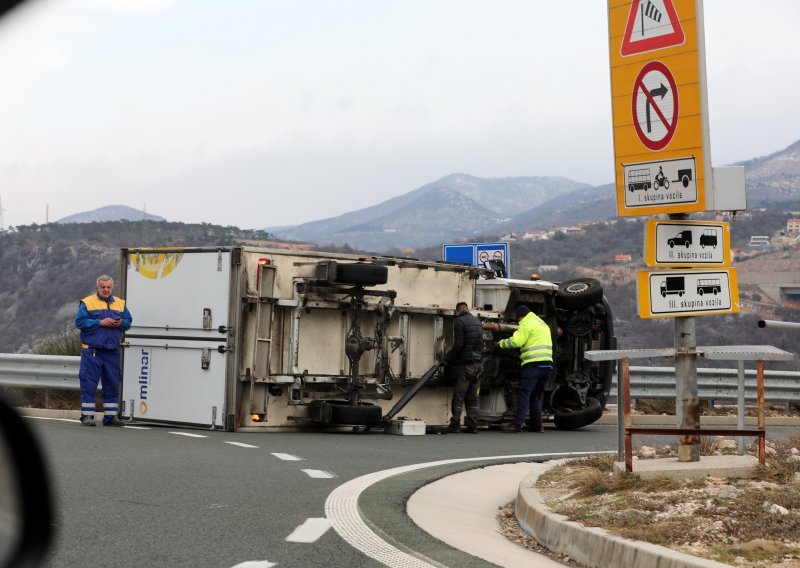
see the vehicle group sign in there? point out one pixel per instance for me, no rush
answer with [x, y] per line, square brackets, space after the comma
[698, 244]
[658, 106]
[672, 293]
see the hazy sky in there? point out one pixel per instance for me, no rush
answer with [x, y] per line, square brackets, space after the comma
[259, 113]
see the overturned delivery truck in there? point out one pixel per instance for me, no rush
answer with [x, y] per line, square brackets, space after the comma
[242, 337]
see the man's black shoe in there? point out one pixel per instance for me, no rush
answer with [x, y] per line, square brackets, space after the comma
[87, 421]
[115, 421]
[470, 430]
[453, 428]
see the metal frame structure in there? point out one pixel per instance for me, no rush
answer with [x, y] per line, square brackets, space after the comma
[740, 353]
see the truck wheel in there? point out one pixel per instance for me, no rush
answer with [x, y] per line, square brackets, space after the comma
[366, 414]
[578, 418]
[362, 274]
[579, 293]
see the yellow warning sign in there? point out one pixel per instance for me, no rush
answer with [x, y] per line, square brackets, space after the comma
[658, 105]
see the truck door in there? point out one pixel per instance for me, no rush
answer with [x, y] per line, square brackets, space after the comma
[176, 357]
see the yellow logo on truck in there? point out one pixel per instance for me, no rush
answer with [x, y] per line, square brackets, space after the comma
[156, 264]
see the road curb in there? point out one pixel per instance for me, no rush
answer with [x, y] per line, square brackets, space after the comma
[591, 546]
[49, 413]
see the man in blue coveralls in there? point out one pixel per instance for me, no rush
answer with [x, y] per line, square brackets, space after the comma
[101, 318]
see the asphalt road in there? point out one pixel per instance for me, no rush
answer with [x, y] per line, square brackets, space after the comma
[168, 496]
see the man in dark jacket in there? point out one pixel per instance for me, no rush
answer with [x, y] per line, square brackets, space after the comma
[464, 360]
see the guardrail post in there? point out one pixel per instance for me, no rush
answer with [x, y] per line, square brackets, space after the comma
[740, 410]
[762, 441]
[625, 378]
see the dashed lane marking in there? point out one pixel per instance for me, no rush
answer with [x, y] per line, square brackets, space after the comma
[187, 434]
[255, 564]
[341, 509]
[51, 418]
[310, 530]
[137, 427]
[287, 457]
[241, 444]
[317, 473]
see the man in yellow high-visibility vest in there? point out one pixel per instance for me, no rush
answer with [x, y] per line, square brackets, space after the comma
[534, 340]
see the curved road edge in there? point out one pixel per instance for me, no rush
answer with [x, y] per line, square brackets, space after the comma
[592, 546]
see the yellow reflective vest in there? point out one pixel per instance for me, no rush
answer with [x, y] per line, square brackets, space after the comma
[533, 339]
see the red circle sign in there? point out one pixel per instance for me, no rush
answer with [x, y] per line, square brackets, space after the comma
[654, 105]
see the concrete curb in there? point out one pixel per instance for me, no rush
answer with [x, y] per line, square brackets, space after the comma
[591, 546]
[49, 413]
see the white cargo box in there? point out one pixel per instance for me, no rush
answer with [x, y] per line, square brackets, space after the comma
[405, 427]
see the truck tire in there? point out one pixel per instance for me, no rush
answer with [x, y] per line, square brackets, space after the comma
[579, 293]
[362, 274]
[359, 414]
[579, 418]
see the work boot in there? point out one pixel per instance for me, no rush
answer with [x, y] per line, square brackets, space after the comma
[113, 421]
[87, 421]
[513, 428]
[470, 430]
[453, 428]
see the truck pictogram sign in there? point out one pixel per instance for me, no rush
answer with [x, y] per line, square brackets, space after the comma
[698, 244]
[671, 181]
[672, 293]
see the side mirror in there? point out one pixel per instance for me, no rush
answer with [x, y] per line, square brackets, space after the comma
[26, 509]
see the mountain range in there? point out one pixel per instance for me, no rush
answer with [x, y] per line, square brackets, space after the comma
[461, 207]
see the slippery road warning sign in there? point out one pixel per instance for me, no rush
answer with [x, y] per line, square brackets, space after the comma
[652, 24]
[655, 105]
[671, 293]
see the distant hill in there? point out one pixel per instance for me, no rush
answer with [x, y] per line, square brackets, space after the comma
[774, 178]
[461, 206]
[110, 213]
[456, 206]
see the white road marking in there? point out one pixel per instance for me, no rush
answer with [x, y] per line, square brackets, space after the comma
[241, 444]
[341, 509]
[287, 457]
[310, 530]
[189, 435]
[317, 473]
[50, 418]
[255, 564]
[137, 427]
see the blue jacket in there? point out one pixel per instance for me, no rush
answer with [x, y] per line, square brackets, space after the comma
[91, 310]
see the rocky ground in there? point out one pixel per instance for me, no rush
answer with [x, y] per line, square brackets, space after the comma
[742, 522]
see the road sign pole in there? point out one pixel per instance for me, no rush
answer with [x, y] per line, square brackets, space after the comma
[687, 401]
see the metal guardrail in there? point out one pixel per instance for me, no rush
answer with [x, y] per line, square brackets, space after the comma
[57, 372]
[714, 384]
[39, 371]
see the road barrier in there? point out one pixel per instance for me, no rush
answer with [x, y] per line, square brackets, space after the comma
[715, 385]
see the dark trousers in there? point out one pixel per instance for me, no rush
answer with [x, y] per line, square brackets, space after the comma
[531, 383]
[100, 366]
[465, 391]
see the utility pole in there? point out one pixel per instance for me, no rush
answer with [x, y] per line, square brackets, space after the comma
[47, 214]
[2, 226]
